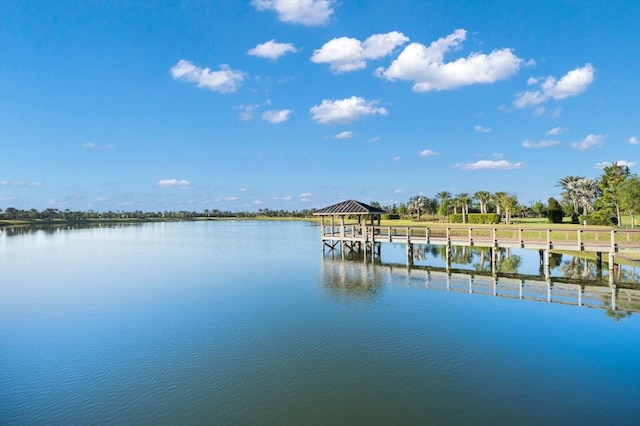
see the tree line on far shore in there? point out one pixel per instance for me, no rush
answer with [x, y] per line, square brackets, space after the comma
[599, 201]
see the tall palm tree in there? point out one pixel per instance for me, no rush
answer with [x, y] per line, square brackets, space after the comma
[463, 201]
[483, 198]
[587, 193]
[571, 192]
[498, 199]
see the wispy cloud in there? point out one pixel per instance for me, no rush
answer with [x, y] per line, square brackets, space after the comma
[541, 144]
[91, 145]
[305, 12]
[481, 129]
[604, 164]
[634, 140]
[425, 66]
[345, 110]
[276, 116]
[344, 135]
[591, 141]
[226, 80]
[346, 54]
[272, 50]
[427, 153]
[556, 131]
[489, 165]
[306, 196]
[20, 183]
[247, 111]
[173, 183]
[571, 84]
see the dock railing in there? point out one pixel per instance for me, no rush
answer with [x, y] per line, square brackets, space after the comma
[572, 239]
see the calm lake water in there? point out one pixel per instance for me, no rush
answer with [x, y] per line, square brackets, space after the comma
[248, 323]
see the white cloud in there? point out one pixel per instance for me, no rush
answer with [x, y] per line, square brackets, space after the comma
[173, 183]
[396, 158]
[344, 135]
[374, 139]
[481, 129]
[634, 140]
[489, 165]
[346, 54]
[91, 145]
[541, 144]
[304, 12]
[556, 131]
[345, 110]
[224, 81]
[604, 164]
[272, 50]
[573, 83]
[276, 116]
[427, 153]
[305, 196]
[591, 141]
[426, 67]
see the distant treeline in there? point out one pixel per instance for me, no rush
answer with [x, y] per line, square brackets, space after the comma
[56, 215]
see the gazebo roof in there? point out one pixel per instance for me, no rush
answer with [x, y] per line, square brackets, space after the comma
[349, 207]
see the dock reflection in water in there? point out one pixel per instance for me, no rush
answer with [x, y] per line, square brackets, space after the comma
[351, 278]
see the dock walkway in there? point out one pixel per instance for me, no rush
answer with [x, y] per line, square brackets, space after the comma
[593, 240]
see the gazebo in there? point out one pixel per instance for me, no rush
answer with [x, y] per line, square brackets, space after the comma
[354, 235]
[351, 208]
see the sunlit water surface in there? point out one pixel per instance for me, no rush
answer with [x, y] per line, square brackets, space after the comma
[248, 323]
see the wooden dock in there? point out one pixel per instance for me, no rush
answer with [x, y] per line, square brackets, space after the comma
[369, 238]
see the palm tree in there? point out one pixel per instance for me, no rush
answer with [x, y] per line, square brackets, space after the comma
[416, 204]
[571, 191]
[483, 198]
[498, 198]
[463, 201]
[444, 202]
[510, 203]
[587, 193]
[505, 202]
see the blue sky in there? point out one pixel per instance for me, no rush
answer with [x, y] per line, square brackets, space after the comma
[284, 104]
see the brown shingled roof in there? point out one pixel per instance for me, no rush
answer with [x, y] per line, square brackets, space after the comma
[349, 207]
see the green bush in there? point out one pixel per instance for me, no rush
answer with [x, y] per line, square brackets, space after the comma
[555, 216]
[476, 218]
[598, 218]
[455, 218]
[489, 218]
[390, 216]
